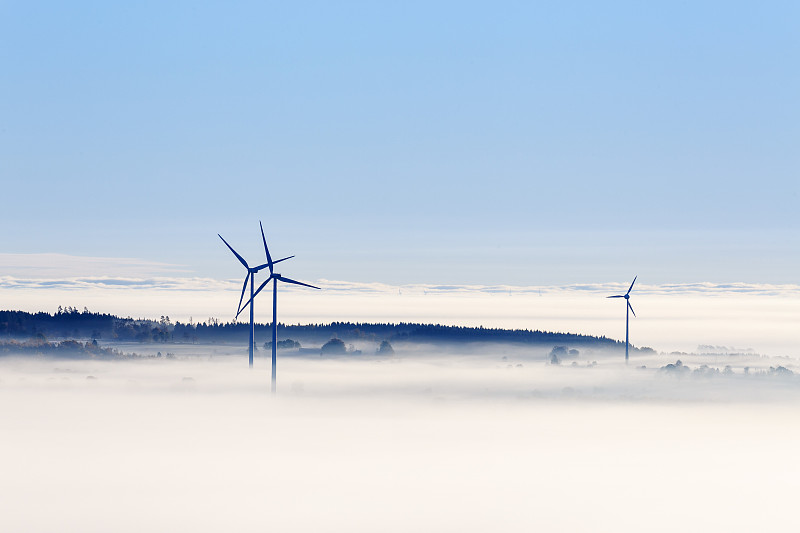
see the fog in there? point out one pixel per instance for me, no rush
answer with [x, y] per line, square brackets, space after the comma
[458, 439]
[669, 317]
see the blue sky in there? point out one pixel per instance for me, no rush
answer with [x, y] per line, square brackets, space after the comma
[490, 143]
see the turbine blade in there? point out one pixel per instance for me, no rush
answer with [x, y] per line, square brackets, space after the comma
[269, 258]
[616, 296]
[260, 288]
[239, 257]
[634, 281]
[260, 267]
[244, 287]
[631, 308]
[287, 280]
[239, 312]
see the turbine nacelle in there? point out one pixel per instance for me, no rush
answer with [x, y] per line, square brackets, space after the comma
[627, 295]
[275, 278]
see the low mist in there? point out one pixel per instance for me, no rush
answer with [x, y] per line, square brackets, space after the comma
[459, 438]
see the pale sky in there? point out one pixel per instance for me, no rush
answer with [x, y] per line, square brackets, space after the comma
[489, 143]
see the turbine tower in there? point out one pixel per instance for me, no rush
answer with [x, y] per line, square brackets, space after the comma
[249, 277]
[628, 308]
[275, 278]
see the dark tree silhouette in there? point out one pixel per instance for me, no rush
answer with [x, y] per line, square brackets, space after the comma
[385, 348]
[333, 347]
[71, 323]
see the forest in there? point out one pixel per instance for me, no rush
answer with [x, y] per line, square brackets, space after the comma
[71, 323]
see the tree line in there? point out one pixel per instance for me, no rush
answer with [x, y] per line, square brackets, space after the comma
[73, 323]
[70, 323]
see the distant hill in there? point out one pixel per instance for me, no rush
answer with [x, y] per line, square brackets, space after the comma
[70, 323]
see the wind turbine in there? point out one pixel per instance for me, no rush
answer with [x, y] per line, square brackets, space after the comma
[251, 271]
[275, 278]
[628, 307]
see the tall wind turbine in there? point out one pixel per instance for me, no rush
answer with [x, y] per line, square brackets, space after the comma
[628, 308]
[249, 277]
[275, 278]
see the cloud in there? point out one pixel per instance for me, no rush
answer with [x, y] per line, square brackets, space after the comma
[61, 271]
[186, 283]
[600, 289]
[105, 283]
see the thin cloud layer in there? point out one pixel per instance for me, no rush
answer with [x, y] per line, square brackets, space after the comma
[60, 271]
[184, 283]
[104, 283]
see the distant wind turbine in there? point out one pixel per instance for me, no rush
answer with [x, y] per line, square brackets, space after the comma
[251, 271]
[275, 278]
[628, 307]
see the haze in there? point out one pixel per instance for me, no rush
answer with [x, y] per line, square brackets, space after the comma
[429, 439]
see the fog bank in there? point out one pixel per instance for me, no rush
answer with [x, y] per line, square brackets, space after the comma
[469, 442]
